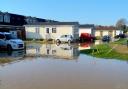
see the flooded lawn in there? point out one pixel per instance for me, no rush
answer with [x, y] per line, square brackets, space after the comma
[51, 66]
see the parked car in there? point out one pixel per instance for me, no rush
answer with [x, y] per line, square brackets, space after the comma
[65, 38]
[86, 37]
[106, 38]
[121, 36]
[9, 42]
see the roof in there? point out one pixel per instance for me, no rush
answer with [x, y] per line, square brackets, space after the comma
[105, 28]
[87, 26]
[54, 23]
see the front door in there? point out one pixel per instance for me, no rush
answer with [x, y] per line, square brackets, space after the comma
[48, 35]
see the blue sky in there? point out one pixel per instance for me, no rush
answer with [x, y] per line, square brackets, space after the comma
[104, 12]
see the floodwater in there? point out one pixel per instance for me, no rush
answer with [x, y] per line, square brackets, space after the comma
[51, 66]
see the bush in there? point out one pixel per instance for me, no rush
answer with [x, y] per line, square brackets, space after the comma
[98, 37]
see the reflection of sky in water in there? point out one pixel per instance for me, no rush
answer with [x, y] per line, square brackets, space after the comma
[39, 70]
[87, 73]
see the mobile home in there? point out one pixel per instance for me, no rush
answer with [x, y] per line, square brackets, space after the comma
[52, 30]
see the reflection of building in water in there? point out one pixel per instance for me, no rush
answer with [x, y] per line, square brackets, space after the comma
[61, 51]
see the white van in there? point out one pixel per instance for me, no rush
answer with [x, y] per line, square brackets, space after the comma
[11, 43]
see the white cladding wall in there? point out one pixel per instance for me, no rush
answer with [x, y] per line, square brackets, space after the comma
[119, 32]
[104, 32]
[85, 30]
[31, 32]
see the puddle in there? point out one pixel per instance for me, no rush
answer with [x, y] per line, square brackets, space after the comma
[51, 66]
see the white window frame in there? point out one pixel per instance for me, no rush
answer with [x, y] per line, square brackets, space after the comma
[7, 18]
[47, 30]
[54, 30]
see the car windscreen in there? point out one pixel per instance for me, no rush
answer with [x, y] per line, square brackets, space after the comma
[9, 36]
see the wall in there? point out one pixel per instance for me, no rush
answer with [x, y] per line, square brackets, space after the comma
[60, 30]
[119, 32]
[85, 30]
[31, 32]
[105, 32]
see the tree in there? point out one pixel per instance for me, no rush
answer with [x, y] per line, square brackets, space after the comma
[122, 25]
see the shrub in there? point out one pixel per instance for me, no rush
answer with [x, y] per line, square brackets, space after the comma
[98, 37]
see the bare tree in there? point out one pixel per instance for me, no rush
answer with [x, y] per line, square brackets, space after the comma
[122, 25]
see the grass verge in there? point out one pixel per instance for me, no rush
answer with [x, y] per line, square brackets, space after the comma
[105, 51]
[5, 60]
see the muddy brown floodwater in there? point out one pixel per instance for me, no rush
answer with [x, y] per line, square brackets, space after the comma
[61, 67]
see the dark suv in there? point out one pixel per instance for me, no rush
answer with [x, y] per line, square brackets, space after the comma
[106, 38]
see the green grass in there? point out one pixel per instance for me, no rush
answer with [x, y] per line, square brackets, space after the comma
[5, 60]
[121, 41]
[105, 51]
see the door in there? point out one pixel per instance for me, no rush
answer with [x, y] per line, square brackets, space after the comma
[48, 35]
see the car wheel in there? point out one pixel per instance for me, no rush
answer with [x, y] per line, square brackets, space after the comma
[9, 48]
[58, 41]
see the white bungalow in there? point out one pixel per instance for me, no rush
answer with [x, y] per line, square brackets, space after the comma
[52, 30]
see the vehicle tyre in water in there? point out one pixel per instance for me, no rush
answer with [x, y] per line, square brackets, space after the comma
[9, 48]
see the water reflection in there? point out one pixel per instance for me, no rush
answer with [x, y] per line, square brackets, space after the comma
[86, 45]
[56, 51]
[64, 51]
[89, 45]
[87, 73]
[9, 57]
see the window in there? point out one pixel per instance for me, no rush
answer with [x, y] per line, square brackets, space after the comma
[37, 30]
[1, 18]
[48, 51]
[66, 35]
[53, 51]
[62, 36]
[37, 50]
[7, 18]
[53, 30]
[47, 30]
[2, 36]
